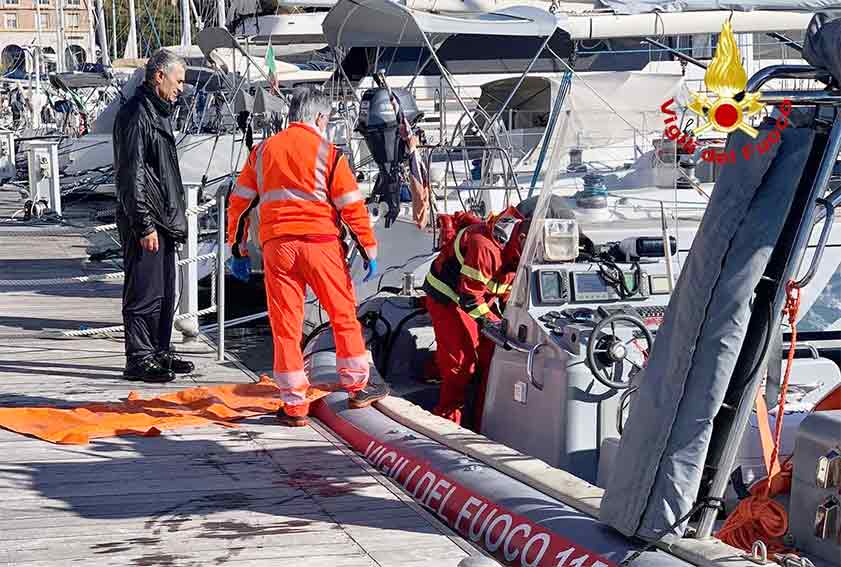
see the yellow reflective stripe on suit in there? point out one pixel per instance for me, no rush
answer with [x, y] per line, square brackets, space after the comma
[468, 271]
[440, 286]
[481, 310]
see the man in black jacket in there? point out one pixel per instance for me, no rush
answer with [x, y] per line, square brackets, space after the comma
[151, 219]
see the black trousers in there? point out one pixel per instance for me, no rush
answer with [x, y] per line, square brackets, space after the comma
[148, 296]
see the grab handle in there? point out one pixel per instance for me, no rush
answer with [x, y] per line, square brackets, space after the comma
[829, 220]
[530, 365]
[498, 337]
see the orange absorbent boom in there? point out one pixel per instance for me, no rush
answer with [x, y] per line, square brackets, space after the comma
[192, 407]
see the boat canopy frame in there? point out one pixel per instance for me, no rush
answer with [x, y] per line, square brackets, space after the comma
[211, 39]
[382, 23]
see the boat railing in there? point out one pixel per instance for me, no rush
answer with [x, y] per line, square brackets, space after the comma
[190, 256]
[492, 163]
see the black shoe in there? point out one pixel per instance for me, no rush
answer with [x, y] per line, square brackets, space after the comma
[148, 370]
[292, 420]
[172, 361]
[294, 416]
[372, 392]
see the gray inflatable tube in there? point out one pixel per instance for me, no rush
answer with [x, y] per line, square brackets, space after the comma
[517, 524]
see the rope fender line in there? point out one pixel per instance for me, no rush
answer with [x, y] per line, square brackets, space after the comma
[118, 328]
[35, 231]
[760, 518]
[92, 279]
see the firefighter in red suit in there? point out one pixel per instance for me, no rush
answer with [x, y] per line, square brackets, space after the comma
[465, 287]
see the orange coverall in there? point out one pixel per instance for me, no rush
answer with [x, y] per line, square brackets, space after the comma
[304, 188]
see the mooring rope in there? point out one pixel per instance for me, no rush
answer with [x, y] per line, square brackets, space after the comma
[118, 328]
[91, 279]
[192, 211]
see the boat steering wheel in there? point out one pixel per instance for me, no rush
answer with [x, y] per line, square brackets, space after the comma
[607, 353]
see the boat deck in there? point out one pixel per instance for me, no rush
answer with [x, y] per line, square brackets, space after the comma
[257, 494]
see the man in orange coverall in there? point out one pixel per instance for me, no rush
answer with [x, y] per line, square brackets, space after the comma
[473, 272]
[304, 189]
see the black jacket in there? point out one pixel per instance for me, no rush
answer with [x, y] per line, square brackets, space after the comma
[146, 173]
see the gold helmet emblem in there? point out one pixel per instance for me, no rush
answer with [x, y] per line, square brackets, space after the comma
[727, 78]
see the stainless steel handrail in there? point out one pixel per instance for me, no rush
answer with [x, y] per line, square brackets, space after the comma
[829, 221]
[802, 98]
[498, 337]
[811, 348]
[509, 174]
[772, 72]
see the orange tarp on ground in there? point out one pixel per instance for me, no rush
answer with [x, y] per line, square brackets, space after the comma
[136, 416]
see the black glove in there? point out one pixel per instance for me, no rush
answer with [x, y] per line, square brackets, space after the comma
[493, 330]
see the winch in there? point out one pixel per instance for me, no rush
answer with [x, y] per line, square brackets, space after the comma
[594, 193]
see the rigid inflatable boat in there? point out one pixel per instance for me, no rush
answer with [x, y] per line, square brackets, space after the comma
[618, 424]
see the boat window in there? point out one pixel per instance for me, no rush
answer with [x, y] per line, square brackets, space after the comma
[766, 48]
[825, 313]
[608, 168]
[469, 55]
[703, 45]
[466, 54]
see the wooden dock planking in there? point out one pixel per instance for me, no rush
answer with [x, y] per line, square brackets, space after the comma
[254, 495]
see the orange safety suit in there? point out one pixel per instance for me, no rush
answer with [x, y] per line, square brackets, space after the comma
[473, 272]
[306, 196]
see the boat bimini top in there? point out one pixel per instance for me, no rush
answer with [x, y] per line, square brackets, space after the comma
[383, 23]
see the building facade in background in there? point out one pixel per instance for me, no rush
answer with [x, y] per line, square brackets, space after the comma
[19, 34]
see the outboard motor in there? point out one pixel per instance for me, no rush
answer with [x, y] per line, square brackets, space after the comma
[379, 123]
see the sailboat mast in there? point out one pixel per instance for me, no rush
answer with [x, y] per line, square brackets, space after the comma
[186, 30]
[131, 42]
[38, 22]
[36, 60]
[114, 27]
[91, 32]
[103, 33]
[220, 13]
[59, 24]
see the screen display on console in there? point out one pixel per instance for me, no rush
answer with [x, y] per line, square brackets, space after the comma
[550, 286]
[589, 283]
[591, 286]
[659, 284]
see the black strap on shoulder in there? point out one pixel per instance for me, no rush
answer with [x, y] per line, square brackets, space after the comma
[329, 185]
[343, 227]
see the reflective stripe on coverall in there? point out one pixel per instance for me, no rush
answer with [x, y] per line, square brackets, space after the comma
[465, 280]
[304, 187]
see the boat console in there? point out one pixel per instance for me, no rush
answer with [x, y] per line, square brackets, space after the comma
[578, 335]
[573, 348]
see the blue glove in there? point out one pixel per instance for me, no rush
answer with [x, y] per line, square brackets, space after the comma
[240, 267]
[371, 266]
